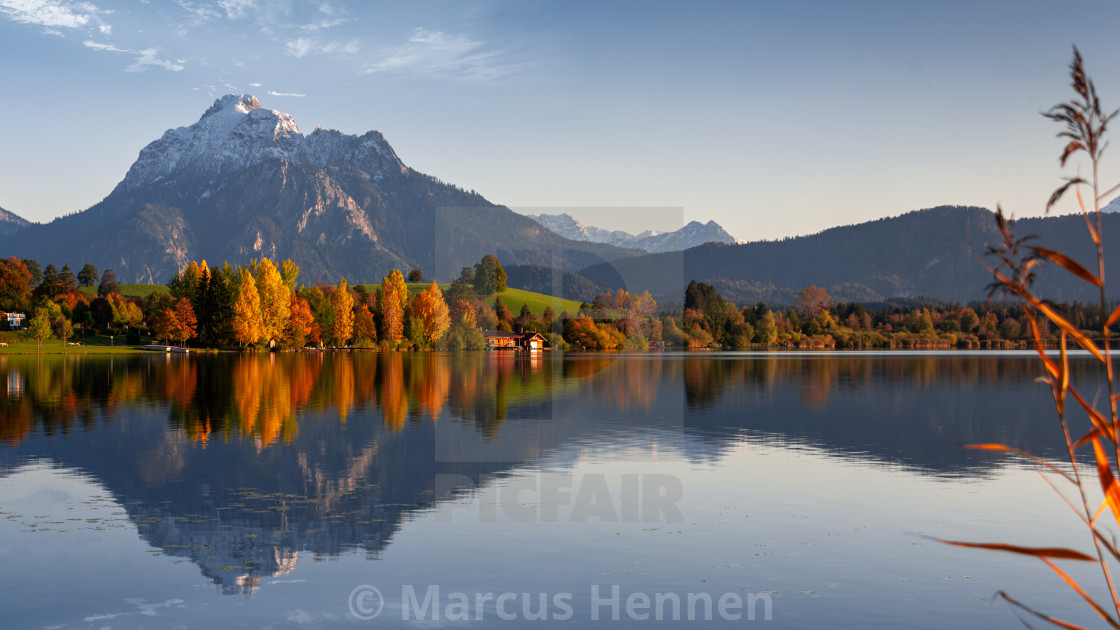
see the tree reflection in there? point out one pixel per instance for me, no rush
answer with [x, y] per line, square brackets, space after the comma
[265, 397]
[264, 457]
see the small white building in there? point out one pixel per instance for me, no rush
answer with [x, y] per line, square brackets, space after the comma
[15, 321]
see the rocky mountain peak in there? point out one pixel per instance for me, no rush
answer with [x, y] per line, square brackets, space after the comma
[691, 235]
[243, 104]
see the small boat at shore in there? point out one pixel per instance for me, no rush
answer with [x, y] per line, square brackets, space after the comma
[161, 348]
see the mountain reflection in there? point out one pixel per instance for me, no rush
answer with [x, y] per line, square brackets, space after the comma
[244, 462]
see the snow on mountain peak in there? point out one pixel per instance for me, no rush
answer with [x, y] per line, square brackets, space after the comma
[242, 104]
[690, 235]
[237, 132]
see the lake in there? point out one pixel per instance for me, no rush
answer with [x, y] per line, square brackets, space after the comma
[476, 489]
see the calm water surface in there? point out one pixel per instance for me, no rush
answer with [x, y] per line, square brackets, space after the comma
[279, 490]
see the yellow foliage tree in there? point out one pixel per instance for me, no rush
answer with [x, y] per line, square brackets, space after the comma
[275, 299]
[431, 310]
[394, 305]
[289, 271]
[247, 310]
[342, 303]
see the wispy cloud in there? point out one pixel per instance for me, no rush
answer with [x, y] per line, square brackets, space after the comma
[324, 24]
[100, 46]
[144, 58]
[435, 53]
[295, 94]
[237, 9]
[51, 13]
[330, 18]
[303, 46]
[147, 59]
[198, 13]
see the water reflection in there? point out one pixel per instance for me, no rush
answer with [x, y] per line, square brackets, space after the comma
[261, 397]
[244, 464]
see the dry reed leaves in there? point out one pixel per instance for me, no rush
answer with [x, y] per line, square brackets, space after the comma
[1085, 128]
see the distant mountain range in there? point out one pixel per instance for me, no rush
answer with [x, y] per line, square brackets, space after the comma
[10, 222]
[933, 253]
[691, 235]
[244, 182]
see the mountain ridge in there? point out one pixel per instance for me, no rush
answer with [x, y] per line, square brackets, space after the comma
[693, 234]
[10, 222]
[243, 182]
[931, 253]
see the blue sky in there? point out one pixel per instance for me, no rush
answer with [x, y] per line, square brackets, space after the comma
[774, 119]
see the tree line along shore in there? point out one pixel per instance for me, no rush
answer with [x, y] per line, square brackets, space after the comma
[262, 305]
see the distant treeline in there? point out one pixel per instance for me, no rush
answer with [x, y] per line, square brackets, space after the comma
[262, 305]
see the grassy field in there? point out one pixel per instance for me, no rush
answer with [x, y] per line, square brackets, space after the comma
[90, 345]
[512, 298]
[131, 290]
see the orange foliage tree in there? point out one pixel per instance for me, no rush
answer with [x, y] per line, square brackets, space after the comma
[364, 329]
[300, 321]
[247, 310]
[431, 311]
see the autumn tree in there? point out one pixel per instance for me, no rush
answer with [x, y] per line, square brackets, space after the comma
[63, 328]
[125, 312]
[185, 283]
[431, 313]
[811, 301]
[321, 311]
[289, 272]
[629, 310]
[364, 329]
[163, 324]
[174, 320]
[415, 275]
[969, 320]
[918, 321]
[300, 321]
[275, 300]
[464, 312]
[464, 333]
[247, 310]
[15, 284]
[342, 303]
[394, 306]
[185, 317]
[767, 332]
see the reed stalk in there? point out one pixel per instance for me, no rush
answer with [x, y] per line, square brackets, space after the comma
[1017, 258]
